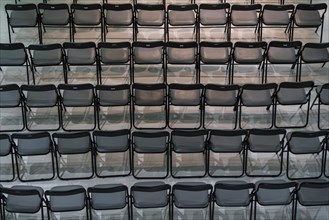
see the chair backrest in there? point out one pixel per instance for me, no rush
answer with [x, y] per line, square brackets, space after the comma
[265, 140]
[54, 14]
[111, 141]
[40, 95]
[118, 14]
[13, 54]
[150, 14]
[306, 142]
[22, 15]
[181, 52]
[215, 52]
[72, 143]
[10, 96]
[152, 142]
[185, 95]
[249, 52]
[214, 14]
[28, 144]
[315, 53]
[149, 94]
[180, 15]
[313, 193]
[113, 95]
[86, 14]
[188, 141]
[226, 140]
[76, 94]
[258, 94]
[83, 53]
[221, 95]
[151, 52]
[46, 54]
[114, 53]
[5, 145]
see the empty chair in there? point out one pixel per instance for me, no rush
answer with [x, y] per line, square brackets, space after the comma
[10, 102]
[283, 52]
[259, 96]
[34, 156]
[74, 155]
[7, 163]
[150, 54]
[114, 54]
[188, 153]
[214, 54]
[22, 16]
[299, 145]
[42, 107]
[152, 195]
[149, 108]
[78, 106]
[150, 16]
[113, 106]
[308, 16]
[21, 201]
[275, 16]
[213, 16]
[218, 100]
[182, 54]
[46, 55]
[112, 153]
[232, 193]
[292, 94]
[326, 160]
[322, 96]
[54, 15]
[67, 198]
[226, 153]
[14, 55]
[275, 193]
[312, 194]
[261, 142]
[192, 197]
[245, 16]
[118, 16]
[104, 197]
[150, 154]
[185, 106]
[248, 53]
[312, 53]
[86, 15]
[182, 16]
[80, 54]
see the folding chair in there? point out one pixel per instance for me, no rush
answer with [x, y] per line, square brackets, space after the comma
[308, 16]
[245, 16]
[182, 54]
[153, 196]
[290, 94]
[213, 16]
[188, 153]
[275, 193]
[150, 16]
[20, 199]
[68, 198]
[46, 55]
[80, 54]
[86, 15]
[112, 155]
[54, 15]
[182, 16]
[105, 197]
[185, 106]
[150, 54]
[39, 97]
[233, 193]
[283, 52]
[118, 16]
[222, 144]
[77, 97]
[312, 194]
[261, 142]
[248, 53]
[257, 96]
[322, 95]
[149, 106]
[34, 150]
[150, 154]
[74, 155]
[312, 53]
[214, 53]
[275, 16]
[114, 54]
[14, 55]
[195, 196]
[302, 143]
[22, 16]
[10, 101]
[113, 103]
[7, 162]
[217, 100]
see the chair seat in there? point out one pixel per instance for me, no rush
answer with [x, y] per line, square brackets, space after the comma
[244, 18]
[248, 55]
[256, 98]
[150, 18]
[214, 55]
[300, 145]
[291, 96]
[306, 18]
[312, 55]
[213, 17]
[24, 204]
[281, 55]
[26, 18]
[104, 201]
[124, 18]
[275, 17]
[150, 199]
[177, 18]
[229, 198]
[64, 203]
